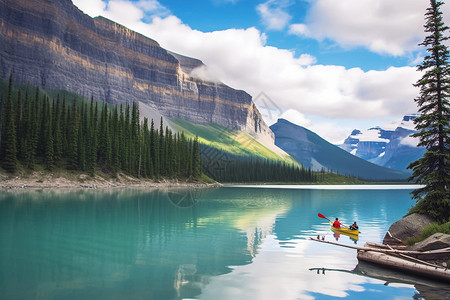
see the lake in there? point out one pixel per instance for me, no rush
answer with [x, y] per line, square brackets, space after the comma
[215, 243]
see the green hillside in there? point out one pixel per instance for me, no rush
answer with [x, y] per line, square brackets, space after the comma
[231, 141]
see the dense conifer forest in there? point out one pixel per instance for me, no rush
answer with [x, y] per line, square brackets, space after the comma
[60, 130]
[225, 167]
[90, 136]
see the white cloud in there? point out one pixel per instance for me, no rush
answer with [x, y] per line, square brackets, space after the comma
[117, 8]
[326, 129]
[128, 11]
[273, 14]
[410, 141]
[242, 59]
[204, 74]
[225, 1]
[295, 117]
[92, 8]
[332, 132]
[299, 29]
[382, 26]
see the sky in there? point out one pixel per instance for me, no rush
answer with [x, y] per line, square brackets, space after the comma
[328, 65]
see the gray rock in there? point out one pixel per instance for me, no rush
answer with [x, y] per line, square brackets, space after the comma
[436, 241]
[53, 45]
[410, 226]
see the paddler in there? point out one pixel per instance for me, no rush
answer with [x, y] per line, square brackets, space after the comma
[337, 224]
[353, 226]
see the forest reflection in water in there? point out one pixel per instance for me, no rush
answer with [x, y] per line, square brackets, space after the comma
[226, 243]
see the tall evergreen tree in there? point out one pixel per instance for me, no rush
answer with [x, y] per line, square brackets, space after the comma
[26, 128]
[433, 169]
[116, 139]
[127, 140]
[57, 133]
[18, 123]
[9, 141]
[104, 140]
[154, 149]
[64, 127]
[162, 144]
[33, 131]
[82, 138]
[48, 133]
[72, 136]
[196, 163]
[135, 141]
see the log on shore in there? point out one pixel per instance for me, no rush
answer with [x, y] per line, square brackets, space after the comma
[445, 251]
[383, 246]
[404, 265]
[438, 254]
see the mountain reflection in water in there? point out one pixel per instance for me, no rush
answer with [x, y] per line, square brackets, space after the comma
[219, 243]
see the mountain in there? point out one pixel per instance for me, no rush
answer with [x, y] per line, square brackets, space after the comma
[312, 151]
[390, 146]
[54, 45]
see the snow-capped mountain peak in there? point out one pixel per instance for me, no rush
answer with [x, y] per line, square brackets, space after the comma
[389, 145]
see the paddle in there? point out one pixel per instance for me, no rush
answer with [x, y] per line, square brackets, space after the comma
[323, 217]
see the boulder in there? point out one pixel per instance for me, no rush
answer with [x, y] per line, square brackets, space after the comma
[434, 242]
[410, 226]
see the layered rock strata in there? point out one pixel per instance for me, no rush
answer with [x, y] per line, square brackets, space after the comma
[52, 44]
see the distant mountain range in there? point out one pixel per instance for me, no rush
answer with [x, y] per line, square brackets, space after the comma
[389, 146]
[314, 152]
[53, 45]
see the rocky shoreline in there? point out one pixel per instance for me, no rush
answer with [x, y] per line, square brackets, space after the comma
[49, 180]
[411, 226]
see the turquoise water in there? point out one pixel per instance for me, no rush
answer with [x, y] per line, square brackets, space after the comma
[221, 243]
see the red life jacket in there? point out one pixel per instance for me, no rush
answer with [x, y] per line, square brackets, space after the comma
[337, 224]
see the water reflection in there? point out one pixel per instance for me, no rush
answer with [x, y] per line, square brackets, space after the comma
[157, 244]
[226, 243]
[426, 289]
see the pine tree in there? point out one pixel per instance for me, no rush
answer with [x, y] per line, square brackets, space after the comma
[104, 140]
[162, 144]
[26, 128]
[127, 141]
[64, 127]
[34, 131]
[57, 133]
[82, 138]
[122, 137]
[48, 133]
[72, 136]
[18, 123]
[154, 149]
[9, 142]
[196, 163]
[135, 141]
[115, 140]
[145, 150]
[433, 169]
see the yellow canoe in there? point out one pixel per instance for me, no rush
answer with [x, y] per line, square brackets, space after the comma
[344, 230]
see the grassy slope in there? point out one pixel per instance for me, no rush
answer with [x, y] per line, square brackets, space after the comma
[231, 141]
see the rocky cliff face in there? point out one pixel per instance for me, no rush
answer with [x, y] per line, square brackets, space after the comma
[52, 44]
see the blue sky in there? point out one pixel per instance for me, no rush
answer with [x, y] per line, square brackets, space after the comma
[328, 65]
[211, 15]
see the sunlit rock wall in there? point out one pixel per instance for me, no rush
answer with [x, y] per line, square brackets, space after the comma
[52, 44]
